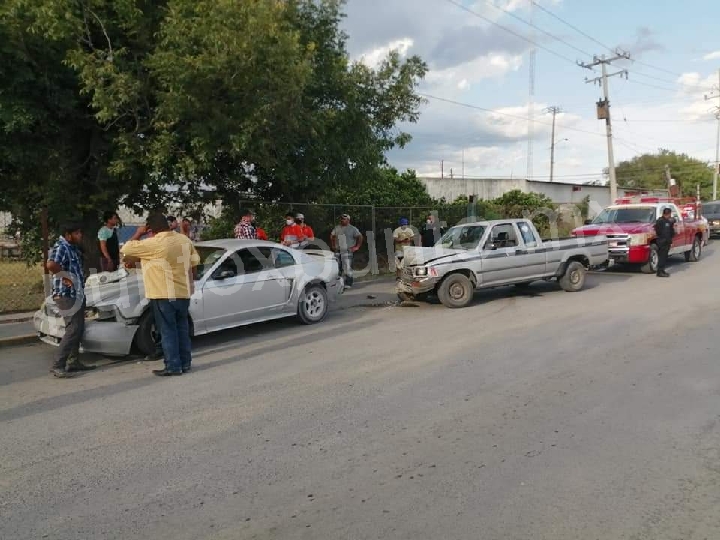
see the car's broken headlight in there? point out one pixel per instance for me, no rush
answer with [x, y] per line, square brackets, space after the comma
[104, 313]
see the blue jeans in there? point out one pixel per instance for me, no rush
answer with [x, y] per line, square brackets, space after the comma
[171, 317]
[345, 260]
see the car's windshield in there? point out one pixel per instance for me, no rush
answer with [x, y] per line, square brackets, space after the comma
[208, 257]
[462, 237]
[711, 208]
[644, 214]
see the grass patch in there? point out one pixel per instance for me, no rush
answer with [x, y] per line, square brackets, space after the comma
[21, 286]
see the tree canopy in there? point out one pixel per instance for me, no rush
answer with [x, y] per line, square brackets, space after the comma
[143, 102]
[648, 171]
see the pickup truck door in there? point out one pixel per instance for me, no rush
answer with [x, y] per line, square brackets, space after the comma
[681, 238]
[501, 254]
[532, 250]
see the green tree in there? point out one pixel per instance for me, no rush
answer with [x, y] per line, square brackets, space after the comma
[648, 171]
[384, 187]
[145, 103]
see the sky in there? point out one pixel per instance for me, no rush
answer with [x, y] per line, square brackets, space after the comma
[478, 58]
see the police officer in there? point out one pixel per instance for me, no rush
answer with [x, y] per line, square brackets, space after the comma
[665, 231]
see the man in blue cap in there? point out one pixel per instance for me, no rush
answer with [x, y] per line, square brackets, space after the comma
[402, 236]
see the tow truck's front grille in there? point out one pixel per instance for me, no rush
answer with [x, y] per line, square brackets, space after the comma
[618, 243]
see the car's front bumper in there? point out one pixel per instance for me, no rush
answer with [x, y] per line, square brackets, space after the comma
[104, 337]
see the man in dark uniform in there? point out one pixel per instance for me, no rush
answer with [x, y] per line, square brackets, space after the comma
[665, 231]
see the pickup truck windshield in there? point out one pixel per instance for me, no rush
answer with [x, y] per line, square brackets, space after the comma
[465, 237]
[626, 215]
[712, 208]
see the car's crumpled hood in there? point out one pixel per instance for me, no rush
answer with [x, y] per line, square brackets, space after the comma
[415, 256]
[127, 294]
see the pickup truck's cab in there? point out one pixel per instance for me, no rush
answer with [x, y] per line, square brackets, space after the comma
[629, 226]
[493, 254]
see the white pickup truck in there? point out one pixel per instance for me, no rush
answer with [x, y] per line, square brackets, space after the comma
[491, 254]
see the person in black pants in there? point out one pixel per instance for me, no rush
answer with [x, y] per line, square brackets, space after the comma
[665, 231]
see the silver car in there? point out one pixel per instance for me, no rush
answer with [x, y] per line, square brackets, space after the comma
[238, 282]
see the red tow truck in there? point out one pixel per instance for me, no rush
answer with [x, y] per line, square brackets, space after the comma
[629, 227]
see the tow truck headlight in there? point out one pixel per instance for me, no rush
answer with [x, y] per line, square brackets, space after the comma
[638, 239]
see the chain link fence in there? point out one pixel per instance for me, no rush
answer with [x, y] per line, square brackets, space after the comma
[21, 285]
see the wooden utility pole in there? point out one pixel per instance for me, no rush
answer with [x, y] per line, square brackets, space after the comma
[716, 167]
[603, 106]
[555, 111]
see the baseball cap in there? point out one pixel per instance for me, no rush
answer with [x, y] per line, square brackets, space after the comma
[404, 221]
[300, 216]
[345, 216]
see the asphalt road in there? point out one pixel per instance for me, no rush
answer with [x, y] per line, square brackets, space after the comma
[540, 415]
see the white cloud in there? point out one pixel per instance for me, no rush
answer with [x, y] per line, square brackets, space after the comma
[374, 57]
[464, 75]
[712, 56]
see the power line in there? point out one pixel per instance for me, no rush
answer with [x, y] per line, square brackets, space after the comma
[570, 25]
[603, 45]
[476, 107]
[532, 25]
[510, 31]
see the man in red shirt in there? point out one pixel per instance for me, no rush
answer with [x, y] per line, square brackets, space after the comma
[307, 233]
[291, 234]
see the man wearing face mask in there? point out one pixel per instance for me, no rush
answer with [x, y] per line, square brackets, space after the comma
[291, 234]
[308, 235]
[431, 232]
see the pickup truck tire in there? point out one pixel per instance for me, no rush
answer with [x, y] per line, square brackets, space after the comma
[573, 279]
[456, 291]
[651, 266]
[695, 252]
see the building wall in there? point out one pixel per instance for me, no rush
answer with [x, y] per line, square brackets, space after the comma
[561, 193]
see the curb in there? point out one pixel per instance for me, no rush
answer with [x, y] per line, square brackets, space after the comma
[15, 321]
[18, 340]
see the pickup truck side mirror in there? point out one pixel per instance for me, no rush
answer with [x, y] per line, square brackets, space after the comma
[588, 222]
[490, 246]
[224, 274]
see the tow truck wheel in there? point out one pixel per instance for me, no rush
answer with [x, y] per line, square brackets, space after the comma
[573, 279]
[695, 252]
[456, 291]
[651, 266]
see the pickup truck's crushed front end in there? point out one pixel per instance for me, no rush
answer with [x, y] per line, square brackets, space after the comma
[417, 280]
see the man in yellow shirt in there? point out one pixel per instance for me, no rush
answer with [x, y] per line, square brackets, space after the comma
[167, 260]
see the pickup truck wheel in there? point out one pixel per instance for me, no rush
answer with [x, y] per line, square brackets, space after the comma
[313, 304]
[651, 266]
[573, 279]
[695, 252]
[456, 291]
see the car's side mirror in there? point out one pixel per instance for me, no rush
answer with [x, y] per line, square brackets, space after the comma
[490, 246]
[224, 274]
[588, 222]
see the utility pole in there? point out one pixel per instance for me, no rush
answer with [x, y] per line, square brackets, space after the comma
[555, 111]
[716, 168]
[603, 106]
[531, 96]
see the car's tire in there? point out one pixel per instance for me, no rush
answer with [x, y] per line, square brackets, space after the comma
[456, 291]
[146, 337]
[651, 266]
[313, 304]
[695, 251]
[573, 280]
